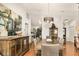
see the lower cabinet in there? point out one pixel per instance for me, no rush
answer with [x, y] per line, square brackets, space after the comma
[15, 47]
[18, 46]
[25, 44]
[13, 51]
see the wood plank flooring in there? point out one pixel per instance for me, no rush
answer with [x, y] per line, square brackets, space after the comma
[68, 50]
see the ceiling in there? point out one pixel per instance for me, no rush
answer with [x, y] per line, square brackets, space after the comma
[37, 11]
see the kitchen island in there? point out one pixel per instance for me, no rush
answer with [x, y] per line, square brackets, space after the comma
[14, 45]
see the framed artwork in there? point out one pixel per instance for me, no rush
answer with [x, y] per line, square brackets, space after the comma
[10, 20]
[18, 23]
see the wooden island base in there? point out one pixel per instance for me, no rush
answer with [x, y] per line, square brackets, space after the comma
[14, 45]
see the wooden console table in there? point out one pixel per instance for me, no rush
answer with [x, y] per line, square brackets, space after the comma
[14, 45]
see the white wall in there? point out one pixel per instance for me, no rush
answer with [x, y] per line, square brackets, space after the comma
[45, 30]
[59, 24]
[70, 31]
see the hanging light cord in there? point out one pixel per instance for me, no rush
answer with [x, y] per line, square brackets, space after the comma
[48, 9]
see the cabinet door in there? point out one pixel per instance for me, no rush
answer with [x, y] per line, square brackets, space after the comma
[18, 46]
[13, 51]
[25, 45]
[13, 47]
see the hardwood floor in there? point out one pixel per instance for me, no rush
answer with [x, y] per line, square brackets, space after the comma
[31, 52]
[68, 50]
[33, 49]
